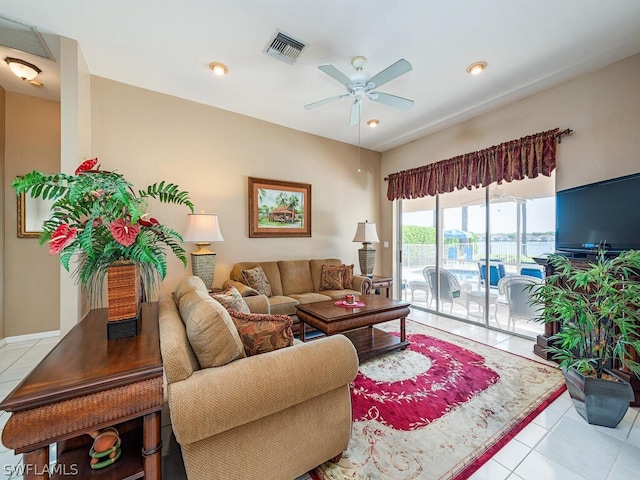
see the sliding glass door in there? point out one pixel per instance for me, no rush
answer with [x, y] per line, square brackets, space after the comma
[455, 251]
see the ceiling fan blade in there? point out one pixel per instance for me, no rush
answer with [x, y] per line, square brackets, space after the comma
[398, 102]
[333, 72]
[356, 112]
[393, 71]
[325, 101]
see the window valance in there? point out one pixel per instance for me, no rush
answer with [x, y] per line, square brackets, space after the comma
[526, 157]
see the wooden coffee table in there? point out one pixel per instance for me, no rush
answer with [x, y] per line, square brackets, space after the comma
[357, 323]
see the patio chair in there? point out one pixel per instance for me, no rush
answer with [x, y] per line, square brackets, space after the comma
[516, 289]
[496, 272]
[450, 289]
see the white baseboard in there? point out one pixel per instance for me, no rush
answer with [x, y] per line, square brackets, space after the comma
[29, 337]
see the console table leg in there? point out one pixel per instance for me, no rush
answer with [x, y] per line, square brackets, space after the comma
[403, 330]
[152, 446]
[34, 463]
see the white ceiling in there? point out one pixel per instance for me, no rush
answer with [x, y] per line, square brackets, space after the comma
[167, 45]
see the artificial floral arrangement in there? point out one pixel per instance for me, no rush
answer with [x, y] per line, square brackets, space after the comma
[97, 215]
[598, 308]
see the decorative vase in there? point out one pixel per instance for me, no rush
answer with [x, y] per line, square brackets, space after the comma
[598, 401]
[123, 292]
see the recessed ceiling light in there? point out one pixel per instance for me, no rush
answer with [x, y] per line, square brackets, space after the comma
[373, 123]
[219, 69]
[476, 68]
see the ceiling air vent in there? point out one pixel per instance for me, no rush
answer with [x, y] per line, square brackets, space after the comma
[22, 37]
[285, 48]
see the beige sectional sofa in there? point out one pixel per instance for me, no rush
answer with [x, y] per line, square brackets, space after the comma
[275, 415]
[295, 282]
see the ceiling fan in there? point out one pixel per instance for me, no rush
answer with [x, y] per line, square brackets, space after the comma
[361, 85]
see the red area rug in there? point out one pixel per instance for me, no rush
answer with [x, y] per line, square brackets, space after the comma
[439, 409]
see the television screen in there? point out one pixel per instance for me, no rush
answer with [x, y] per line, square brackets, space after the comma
[606, 212]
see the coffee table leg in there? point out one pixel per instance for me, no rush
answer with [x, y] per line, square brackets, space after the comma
[301, 330]
[403, 331]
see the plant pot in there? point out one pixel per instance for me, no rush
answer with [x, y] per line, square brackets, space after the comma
[123, 290]
[598, 401]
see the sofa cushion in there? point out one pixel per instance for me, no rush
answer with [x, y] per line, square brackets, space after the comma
[262, 333]
[211, 332]
[331, 278]
[310, 297]
[256, 279]
[315, 266]
[281, 305]
[340, 294]
[187, 285]
[295, 276]
[230, 298]
[271, 270]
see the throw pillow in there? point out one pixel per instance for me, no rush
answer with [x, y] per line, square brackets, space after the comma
[261, 332]
[230, 298]
[347, 276]
[331, 278]
[256, 279]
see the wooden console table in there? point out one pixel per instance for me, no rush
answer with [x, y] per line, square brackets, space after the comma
[87, 383]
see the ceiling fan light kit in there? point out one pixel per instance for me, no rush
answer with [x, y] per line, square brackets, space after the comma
[361, 86]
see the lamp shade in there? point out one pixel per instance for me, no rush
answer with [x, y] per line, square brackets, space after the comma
[22, 69]
[366, 233]
[202, 228]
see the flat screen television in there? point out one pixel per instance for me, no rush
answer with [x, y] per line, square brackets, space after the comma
[606, 213]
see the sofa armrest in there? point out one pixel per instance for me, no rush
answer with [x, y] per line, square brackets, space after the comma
[245, 290]
[258, 304]
[214, 400]
[362, 283]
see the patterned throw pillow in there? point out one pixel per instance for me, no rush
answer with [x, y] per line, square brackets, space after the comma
[347, 276]
[230, 298]
[261, 332]
[331, 278]
[257, 279]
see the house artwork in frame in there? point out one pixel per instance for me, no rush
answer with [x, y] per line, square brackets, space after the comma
[32, 213]
[279, 209]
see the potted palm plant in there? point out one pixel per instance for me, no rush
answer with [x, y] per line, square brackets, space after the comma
[597, 306]
[101, 222]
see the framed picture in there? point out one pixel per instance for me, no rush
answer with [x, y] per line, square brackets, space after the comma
[279, 209]
[32, 213]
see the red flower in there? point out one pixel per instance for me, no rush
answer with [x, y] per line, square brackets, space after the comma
[62, 237]
[124, 232]
[86, 165]
[148, 223]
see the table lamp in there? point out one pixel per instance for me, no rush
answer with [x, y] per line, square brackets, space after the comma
[203, 229]
[367, 234]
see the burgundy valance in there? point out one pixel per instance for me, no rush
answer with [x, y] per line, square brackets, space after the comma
[526, 157]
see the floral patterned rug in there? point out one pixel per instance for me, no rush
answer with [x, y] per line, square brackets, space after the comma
[439, 409]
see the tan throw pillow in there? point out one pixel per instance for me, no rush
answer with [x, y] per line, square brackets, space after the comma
[331, 278]
[210, 330]
[256, 279]
[231, 299]
[347, 276]
[262, 333]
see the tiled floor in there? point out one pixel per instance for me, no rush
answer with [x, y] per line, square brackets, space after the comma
[558, 444]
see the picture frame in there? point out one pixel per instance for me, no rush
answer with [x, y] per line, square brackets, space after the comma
[32, 213]
[279, 209]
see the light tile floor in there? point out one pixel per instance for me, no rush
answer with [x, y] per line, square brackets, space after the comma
[558, 444]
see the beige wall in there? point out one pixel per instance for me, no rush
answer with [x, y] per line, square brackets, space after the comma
[31, 290]
[211, 153]
[603, 108]
[2, 203]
